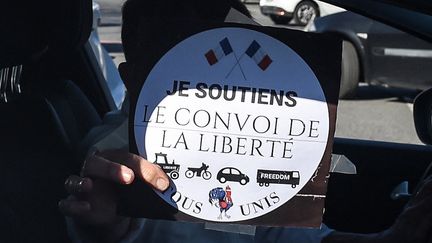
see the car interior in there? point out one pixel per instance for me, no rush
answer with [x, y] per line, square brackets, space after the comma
[53, 98]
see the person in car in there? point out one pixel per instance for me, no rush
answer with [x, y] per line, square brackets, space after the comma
[91, 207]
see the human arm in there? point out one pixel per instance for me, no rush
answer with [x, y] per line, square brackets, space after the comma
[92, 204]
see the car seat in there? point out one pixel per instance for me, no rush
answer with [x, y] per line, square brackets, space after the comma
[42, 120]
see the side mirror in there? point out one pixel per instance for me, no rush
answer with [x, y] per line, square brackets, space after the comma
[423, 116]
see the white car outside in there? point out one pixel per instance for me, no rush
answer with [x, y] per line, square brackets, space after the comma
[282, 11]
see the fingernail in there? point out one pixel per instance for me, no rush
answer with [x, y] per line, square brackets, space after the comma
[162, 184]
[127, 176]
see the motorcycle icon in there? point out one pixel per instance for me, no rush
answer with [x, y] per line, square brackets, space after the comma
[200, 172]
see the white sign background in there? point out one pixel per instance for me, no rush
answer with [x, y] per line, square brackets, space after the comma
[287, 72]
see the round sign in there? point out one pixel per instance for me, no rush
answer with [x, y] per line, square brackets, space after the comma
[236, 119]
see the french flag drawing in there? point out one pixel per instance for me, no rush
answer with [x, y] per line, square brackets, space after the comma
[261, 58]
[216, 54]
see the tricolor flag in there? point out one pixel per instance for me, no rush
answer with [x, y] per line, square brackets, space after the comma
[261, 58]
[223, 49]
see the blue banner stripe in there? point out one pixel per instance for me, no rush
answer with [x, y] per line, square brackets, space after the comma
[226, 46]
[253, 48]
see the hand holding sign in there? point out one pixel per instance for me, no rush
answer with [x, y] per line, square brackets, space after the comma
[93, 200]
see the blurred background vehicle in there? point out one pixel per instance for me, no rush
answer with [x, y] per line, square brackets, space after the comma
[302, 11]
[377, 53]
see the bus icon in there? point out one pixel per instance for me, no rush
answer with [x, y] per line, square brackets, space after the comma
[267, 177]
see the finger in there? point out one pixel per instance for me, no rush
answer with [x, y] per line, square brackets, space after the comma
[74, 208]
[148, 172]
[76, 185]
[96, 166]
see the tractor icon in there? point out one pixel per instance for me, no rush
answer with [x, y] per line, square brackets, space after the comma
[170, 169]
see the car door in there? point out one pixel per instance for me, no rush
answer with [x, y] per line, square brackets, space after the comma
[363, 202]
[397, 58]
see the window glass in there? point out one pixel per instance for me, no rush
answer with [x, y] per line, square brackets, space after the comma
[235, 172]
[384, 68]
[107, 50]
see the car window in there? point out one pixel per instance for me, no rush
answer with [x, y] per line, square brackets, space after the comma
[105, 53]
[226, 171]
[235, 172]
[384, 68]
